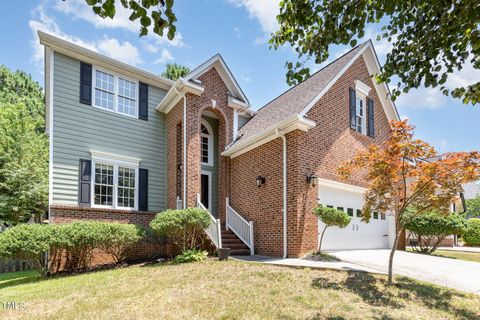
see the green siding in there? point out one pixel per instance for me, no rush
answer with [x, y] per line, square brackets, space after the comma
[79, 128]
[213, 169]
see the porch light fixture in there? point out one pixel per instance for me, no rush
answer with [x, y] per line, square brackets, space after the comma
[260, 180]
[312, 179]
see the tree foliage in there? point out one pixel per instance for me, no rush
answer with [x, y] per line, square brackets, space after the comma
[185, 228]
[473, 207]
[17, 87]
[431, 228]
[472, 236]
[174, 71]
[430, 39]
[331, 218]
[23, 165]
[402, 173]
[152, 14]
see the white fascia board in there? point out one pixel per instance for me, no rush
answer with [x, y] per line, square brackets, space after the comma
[78, 52]
[334, 80]
[339, 185]
[177, 92]
[237, 104]
[294, 122]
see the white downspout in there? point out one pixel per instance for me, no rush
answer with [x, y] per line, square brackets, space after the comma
[284, 141]
[184, 149]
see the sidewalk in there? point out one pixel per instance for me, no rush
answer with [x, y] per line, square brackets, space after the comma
[301, 263]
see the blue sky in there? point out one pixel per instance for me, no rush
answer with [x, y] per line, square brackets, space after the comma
[237, 29]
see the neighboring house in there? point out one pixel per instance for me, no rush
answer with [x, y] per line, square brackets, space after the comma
[125, 144]
[471, 189]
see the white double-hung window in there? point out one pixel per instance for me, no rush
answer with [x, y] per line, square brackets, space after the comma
[115, 181]
[361, 119]
[115, 93]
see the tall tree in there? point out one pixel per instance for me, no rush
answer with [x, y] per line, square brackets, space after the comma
[156, 14]
[174, 71]
[400, 177]
[18, 87]
[23, 165]
[430, 38]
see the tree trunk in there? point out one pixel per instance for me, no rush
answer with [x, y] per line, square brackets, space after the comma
[321, 239]
[392, 253]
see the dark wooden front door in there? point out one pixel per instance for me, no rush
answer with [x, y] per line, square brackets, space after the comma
[205, 190]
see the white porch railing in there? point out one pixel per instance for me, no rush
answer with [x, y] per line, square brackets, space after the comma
[179, 204]
[241, 227]
[214, 230]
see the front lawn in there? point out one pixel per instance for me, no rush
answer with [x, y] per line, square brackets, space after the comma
[230, 290]
[468, 256]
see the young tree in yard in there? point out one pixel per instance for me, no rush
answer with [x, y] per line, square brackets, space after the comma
[331, 218]
[473, 207]
[400, 176]
[174, 71]
[430, 39]
[23, 165]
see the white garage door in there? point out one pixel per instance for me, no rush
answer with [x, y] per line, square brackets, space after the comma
[358, 234]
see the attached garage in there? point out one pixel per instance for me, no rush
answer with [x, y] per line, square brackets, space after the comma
[358, 234]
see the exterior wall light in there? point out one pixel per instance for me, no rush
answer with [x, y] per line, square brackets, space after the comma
[312, 179]
[260, 180]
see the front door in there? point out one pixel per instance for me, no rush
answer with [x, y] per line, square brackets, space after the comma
[205, 192]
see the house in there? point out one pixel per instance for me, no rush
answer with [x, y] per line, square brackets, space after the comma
[126, 144]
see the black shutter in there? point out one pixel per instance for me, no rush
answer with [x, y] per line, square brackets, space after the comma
[85, 83]
[371, 118]
[85, 179]
[143, 101]
[353, 109]
[142, 189]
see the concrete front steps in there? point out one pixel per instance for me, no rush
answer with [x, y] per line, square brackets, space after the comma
[230, 240]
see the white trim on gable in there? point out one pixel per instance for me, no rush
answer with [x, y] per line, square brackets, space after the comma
[219, 64]
[373, 66]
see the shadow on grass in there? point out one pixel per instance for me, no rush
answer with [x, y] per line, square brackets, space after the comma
[11, 279]
[374, 292]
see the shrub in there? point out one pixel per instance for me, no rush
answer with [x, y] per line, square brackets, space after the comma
[28, 242]
[120, 238]
[185, 228]
[431, 228]
[192, 255]
[331, 218]
[472, 236]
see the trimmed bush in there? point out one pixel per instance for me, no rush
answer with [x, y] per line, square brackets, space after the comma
[29, 242]
[192, 255]
[431, 228]
[332, 218]
[71, 243]
[472, 236]
[185, 228]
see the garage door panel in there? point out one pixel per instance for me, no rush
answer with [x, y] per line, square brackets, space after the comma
[358, 234]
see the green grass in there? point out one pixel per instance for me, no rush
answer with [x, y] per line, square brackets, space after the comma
[468, 256]
[230, 290]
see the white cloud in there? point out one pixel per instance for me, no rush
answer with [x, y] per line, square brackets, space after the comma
[109, 46]
[80, 10]
[265, 11]
[150, 47]
[165, 57]
[125, 51]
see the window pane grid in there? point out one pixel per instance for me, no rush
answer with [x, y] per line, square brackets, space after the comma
[103, 193]
[115, 93]
[126, 187]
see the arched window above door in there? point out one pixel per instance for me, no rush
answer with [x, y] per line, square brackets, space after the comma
[206, 144]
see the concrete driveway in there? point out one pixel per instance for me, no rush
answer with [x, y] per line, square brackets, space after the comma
[453, 273]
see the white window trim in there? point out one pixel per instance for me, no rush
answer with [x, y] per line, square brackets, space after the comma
[210, 188]
[116, 162]
[360, 95]
[210, 143]
[116, 76]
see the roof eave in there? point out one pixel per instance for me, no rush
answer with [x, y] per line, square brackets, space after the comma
[294, 122]
[176, 92]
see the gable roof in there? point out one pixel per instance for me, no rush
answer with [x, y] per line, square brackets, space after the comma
[219, 64]
[298, 100]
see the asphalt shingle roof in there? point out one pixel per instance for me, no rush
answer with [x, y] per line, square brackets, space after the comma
[294, 100]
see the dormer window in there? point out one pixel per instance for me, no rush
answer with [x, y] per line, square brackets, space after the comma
[206, 144]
